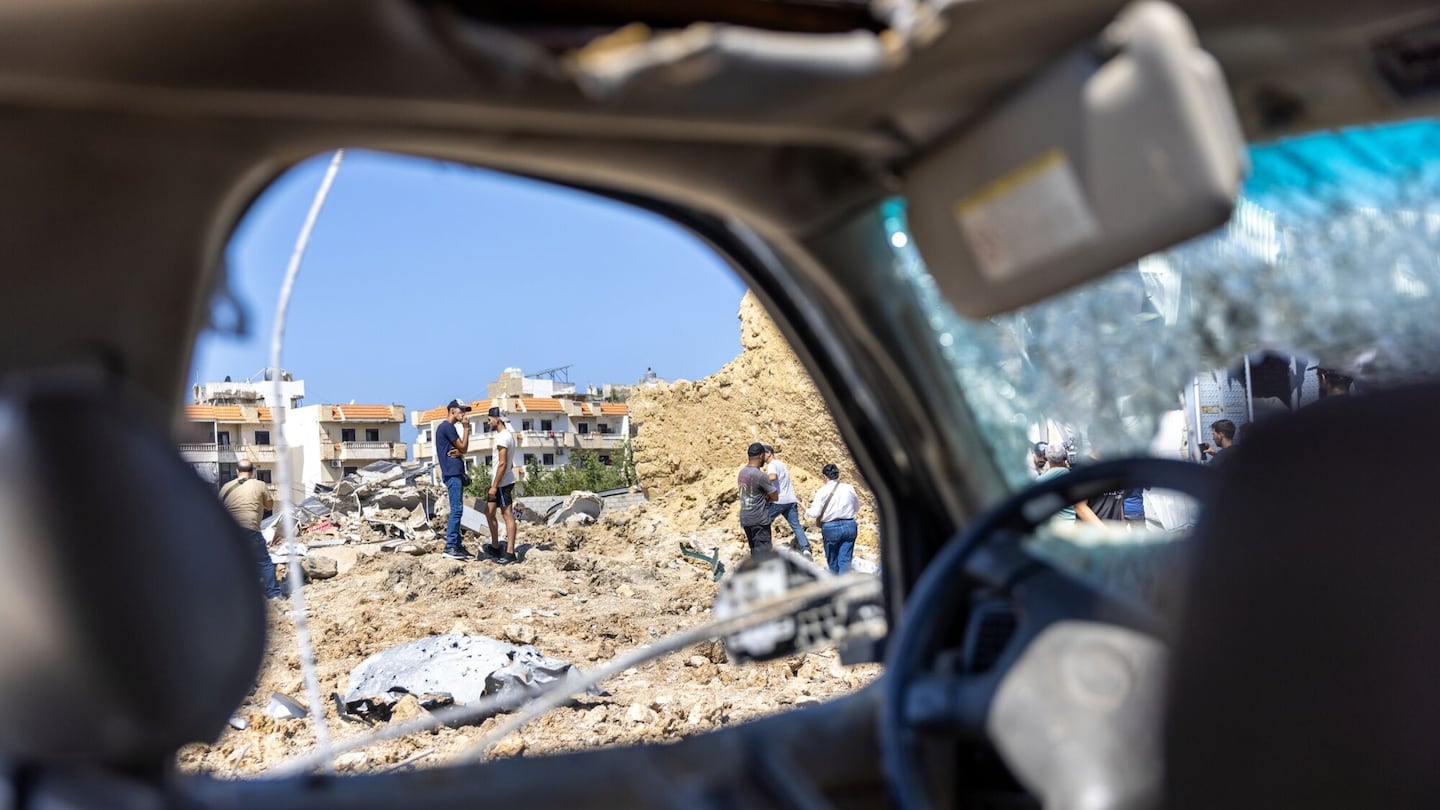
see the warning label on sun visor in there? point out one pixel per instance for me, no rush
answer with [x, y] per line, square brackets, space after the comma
[1030, 215]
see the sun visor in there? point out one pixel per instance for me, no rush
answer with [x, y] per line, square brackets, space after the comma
[1124, 147]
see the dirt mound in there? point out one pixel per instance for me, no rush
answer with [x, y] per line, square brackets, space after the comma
[692, 435]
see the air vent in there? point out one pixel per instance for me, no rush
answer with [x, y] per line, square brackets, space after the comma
[991, 627]
[1410, 62]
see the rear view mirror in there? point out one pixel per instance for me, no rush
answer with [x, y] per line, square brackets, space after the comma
[1124, 147]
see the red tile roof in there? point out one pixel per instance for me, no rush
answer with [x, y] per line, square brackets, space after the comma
[436, 414]
[540, 405]
[614, 409]
[224, 413]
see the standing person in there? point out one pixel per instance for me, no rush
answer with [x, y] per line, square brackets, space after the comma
[1222, 432]
[786, 504]
[451, 445]
[1057, 462]
[834, 506]
[247, 499]
[756, 495]
[501, 496]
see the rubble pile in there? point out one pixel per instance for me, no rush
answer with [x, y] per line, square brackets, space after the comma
[692, 435]
[387, 503]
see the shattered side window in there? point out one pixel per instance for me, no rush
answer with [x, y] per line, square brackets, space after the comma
[1332, 258]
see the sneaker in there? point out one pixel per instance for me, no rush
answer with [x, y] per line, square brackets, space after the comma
[507, 558]
[458, 554]
[493, 550]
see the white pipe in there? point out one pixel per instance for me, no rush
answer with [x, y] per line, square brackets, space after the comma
[282, 457]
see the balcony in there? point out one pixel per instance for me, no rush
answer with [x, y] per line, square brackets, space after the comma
[598, 441]
[542, 439]
[369, 451]
[213, 453]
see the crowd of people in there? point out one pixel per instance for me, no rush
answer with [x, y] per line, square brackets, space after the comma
[767, 493]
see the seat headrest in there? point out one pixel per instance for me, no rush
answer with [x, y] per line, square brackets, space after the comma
[1307, 671]
[131, 616]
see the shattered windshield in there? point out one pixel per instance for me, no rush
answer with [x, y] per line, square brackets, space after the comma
[1325, 280]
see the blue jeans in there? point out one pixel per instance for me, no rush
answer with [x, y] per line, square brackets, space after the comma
[457, 508]
[792, 516]
[839, 537]
[267, 566]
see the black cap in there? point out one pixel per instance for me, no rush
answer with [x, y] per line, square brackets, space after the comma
[831, 471]
[756, 449]
[495, 412]
[769, 448]
[455, 403]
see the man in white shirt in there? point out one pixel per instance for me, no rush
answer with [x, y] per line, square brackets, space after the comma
[835, 505]
[501, 496]
[787, 504]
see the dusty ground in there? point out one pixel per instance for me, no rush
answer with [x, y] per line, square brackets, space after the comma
[611, 587]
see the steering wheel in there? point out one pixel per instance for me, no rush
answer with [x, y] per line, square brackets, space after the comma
[1071, 698]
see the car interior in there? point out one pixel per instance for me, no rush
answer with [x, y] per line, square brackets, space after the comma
[901, 183]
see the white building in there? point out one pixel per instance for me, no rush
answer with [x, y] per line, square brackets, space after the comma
[336, 440]
[548, 429]
[325, 441]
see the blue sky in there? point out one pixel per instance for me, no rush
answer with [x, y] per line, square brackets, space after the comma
[424, 279]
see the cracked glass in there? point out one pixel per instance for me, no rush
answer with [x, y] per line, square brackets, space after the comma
[1330, 262]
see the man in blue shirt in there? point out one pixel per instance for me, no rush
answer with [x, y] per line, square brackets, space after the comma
[450, 449]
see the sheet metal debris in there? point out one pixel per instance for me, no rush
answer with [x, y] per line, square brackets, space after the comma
[457, 668]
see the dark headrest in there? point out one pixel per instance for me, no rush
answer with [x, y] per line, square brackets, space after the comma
[131, 617]
[1307, 672]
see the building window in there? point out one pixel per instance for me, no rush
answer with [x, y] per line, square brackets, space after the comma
[525, 424]
[226, 472]
[426, 437]
[604, 459]
[527, 458]
[262, 437]
[583, 428]
[548, 459]
[546, 424]
[372, 434]
[604, 428]
[263, 475]
[347, 434]
[223, 438]
[349, 470]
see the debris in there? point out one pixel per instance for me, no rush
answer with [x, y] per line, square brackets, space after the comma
[318, 567]
[464, 667]
[239, 723]
[580, 503]
[408, 761]
[520, 633]
[638, 713]
[351, 760]
[524, 613]
[625, 590]
[282, 707]
[511, 746]
[717, 568]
